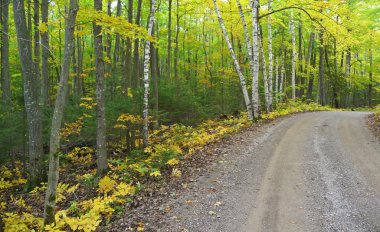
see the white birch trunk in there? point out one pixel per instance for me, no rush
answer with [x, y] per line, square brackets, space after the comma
[255, 50]
[265, 77]
[294, 56]
[146, 75]
[270, 60]
[236, 62]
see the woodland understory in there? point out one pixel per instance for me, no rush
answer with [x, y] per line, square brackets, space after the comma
[101, 100]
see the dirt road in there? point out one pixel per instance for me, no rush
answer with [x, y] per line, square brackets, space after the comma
[310, 172]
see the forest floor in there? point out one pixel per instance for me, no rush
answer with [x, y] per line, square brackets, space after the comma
[306, 172]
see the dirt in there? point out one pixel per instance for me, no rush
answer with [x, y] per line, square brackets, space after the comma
[308, 172]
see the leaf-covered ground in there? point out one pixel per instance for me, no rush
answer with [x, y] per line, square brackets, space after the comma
[137, 183]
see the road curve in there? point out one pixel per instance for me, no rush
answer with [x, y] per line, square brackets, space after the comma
[309, 172]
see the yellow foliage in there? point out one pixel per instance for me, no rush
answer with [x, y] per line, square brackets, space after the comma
[106, 185]
[172, 162]
[155, 173]
[81, 155]
[176, 172]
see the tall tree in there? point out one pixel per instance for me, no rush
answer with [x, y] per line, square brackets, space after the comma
[136, 53]
[51, 190]
[294, 55]
[30, 80]
[168, 58]
[236, 62]
[45, 53]
[264, 71]
[255, 54]
[270, 60]
[101, 148]
[146, 74]
[36, 23]
[5, 75]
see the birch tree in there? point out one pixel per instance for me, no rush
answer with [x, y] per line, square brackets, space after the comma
[101, 149]
[53, 176]
[270, 60]
[255, 54]
[236, 62]
[264, 71]
[294, 55]
[146, 75]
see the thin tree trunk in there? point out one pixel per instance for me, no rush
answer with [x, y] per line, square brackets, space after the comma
[136, 56]
[101, 149]
[168, 58]
[321, 88]
[256, 62]
[370, 85]
[5, 76]
[51, 190]
[45, 53]
[270, 60]
[128, 81]
[264, 71]
[294, 56]
[176, 47]
[30, 80]
[276, 76]
[307, 61]
[146, 75]
[348, 77]
[116, 52]
[301, 78]
[236, 63]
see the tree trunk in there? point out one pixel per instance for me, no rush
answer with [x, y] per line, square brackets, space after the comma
[270, 60]
[101, 149]
[36, 58]
[146, 75]
[276, 83]
[168, 58]
[301, 78]
[236, 63]
[370, 85]
[136, 56]
[321, 88]
[51, 190]
[348, 78]
[248, 42]
[45, 53]
[5, 76]
[255, 54]
[176, 48]
[128, 56]
[36, 173]
[264, 70]
[294, 56]
[116, 52]
[307, 59]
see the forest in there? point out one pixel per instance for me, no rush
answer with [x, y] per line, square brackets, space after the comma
[99, 97]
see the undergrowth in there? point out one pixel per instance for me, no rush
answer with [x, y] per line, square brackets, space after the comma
[84, 201]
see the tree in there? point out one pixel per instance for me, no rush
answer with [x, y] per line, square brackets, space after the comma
[31, 93]
[53, 176]
[255, 54]
[45, 52]
[294, 56]
[101, 147]
[236, 63]
[270, 59]
[5, 75]
[146, 74]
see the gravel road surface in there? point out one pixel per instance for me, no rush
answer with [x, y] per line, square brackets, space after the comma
[309, 172]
